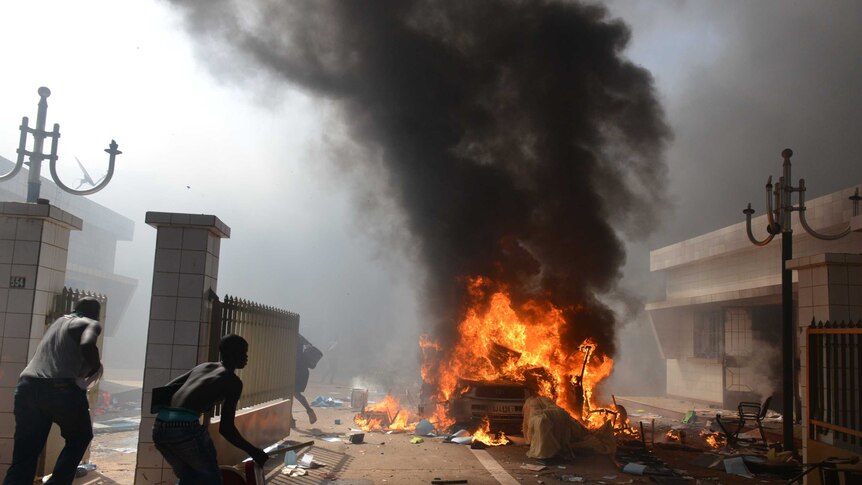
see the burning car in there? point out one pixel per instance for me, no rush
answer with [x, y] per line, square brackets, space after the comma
[502, 402]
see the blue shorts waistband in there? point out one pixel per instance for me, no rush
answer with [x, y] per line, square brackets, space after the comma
[174, 415]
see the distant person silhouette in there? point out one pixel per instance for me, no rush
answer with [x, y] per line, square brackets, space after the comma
[303, 372]
[178, 434]
[52, 389]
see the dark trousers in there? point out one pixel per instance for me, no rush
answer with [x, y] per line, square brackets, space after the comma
[187, 447]
[38, 403]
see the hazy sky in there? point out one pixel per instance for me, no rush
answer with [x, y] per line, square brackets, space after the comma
[739, 82]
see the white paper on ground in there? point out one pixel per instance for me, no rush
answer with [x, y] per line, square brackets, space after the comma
[736, 466]
[634, 468]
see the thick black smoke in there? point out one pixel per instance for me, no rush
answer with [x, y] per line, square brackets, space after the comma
[516, 138]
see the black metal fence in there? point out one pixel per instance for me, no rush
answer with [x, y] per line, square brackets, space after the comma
[834, 377]
[65, 302]
[273, 338]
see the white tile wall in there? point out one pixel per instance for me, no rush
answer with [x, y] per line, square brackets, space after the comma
[694, 379]
[14, 349]
[823, 214]
[186, 267]
[7, 401]
[190, 309]
[195, 239]
[193, 262]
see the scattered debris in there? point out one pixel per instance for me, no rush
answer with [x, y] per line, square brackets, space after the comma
[358, 398]
[690, 417]
[326, 402]
[357, 438]
[294, 471]
[84, 468]
[440, 481]
[416, 440]
[634, 468]
[736, 466]
[533, 468]
[776, 458]
[708, 460]
[307, 461]
[424, 428]
[571, 478]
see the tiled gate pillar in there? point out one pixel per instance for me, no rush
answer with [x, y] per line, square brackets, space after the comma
[185, 270]
[830, 288]
[34, 240]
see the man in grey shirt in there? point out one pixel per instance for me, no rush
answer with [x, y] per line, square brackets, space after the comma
[52, 389]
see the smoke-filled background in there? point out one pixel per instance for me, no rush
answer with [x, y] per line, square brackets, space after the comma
[304, 175]
[511, 135]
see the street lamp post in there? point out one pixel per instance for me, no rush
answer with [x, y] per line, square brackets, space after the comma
[779, 222]
[37, 156]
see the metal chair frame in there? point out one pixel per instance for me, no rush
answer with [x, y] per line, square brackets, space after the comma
[748, 411]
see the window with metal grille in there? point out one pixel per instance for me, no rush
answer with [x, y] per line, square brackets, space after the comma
[737, 332]
[708, 335]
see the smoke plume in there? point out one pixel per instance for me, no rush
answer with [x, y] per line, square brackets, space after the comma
[517, 140]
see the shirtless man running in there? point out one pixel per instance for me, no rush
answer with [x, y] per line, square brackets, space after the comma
[178, 434]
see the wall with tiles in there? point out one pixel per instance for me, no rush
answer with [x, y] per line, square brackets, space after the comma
[185, 271]
[695, 379]
[823, 214]
[725, 260]
[34, 240]
[673, 330]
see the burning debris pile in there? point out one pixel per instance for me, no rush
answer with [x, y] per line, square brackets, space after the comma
[498, 344]
[386, 415]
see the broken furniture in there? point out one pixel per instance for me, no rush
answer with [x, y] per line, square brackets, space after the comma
[748, 411]
[648, 443]
[358, 399]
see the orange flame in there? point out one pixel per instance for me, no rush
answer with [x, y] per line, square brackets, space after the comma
[501, 341]
[484, 435]
[394, 417]
[714, 440]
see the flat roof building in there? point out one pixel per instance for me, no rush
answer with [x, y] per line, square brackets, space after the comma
[719, 324]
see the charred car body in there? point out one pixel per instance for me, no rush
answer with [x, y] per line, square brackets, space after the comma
[501, 401]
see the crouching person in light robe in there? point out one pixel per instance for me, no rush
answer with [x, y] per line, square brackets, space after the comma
[552, 433]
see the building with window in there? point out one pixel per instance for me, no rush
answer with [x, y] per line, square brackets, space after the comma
[719, 325]
[92, 250]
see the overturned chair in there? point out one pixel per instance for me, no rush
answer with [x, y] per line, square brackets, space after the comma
[748, 411]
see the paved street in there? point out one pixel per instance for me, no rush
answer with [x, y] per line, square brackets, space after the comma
[391, 458]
